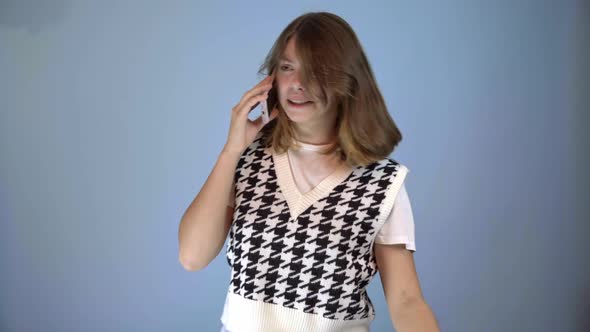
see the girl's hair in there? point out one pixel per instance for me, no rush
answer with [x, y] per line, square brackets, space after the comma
[336, 71]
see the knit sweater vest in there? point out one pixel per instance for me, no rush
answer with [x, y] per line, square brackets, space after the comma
[303, 266]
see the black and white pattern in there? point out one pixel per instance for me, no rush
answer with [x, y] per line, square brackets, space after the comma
[320, 262]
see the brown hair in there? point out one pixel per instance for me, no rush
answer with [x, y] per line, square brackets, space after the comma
[337, 72]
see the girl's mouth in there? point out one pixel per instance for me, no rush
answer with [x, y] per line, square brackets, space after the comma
[294, 104]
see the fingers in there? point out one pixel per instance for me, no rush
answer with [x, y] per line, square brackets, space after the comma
[253, 96]
[260, 122]
[249, 104]
[265, 84]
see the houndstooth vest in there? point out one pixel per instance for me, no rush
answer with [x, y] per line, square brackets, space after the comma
[316, 257]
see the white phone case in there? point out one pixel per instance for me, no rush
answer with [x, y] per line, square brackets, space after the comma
[264, 111]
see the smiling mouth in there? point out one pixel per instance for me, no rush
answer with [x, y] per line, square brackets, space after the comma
[299, 104]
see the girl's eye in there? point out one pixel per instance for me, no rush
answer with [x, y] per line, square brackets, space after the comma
[284, 67]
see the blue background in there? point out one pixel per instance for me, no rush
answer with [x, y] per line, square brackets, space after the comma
[113, 113]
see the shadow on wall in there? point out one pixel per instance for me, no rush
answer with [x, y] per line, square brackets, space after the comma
[32, 15]
[581, 81]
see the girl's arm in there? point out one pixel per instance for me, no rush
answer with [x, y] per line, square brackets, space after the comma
[206, 222]
[407, 307]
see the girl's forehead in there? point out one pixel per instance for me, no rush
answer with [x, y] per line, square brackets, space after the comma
[287, 58]
[288, 54]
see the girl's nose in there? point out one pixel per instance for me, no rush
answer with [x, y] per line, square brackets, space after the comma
[296, 83]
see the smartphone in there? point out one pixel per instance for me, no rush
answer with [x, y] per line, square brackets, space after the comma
[264, 111]
[269, 103]
[273, 99]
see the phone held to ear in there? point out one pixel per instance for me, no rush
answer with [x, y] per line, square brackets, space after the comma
[264, 112]
[269, 104]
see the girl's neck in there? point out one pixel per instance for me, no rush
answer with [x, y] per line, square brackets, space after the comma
[316, 145]
[316, 139]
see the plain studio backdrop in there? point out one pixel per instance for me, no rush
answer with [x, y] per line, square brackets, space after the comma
[113, 113]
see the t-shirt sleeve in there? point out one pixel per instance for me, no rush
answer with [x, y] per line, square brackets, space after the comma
[399, 225]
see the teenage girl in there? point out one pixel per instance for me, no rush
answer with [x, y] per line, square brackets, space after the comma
[327, 119]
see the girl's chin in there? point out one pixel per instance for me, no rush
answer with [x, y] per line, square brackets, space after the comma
[302, 115]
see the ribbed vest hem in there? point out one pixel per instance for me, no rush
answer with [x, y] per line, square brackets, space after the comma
[245, 315]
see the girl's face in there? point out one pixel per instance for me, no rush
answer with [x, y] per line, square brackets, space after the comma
[290, 90]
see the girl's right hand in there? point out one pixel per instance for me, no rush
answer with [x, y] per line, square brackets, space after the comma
[242, 130]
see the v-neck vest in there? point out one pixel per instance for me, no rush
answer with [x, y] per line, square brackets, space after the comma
[306, 258]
